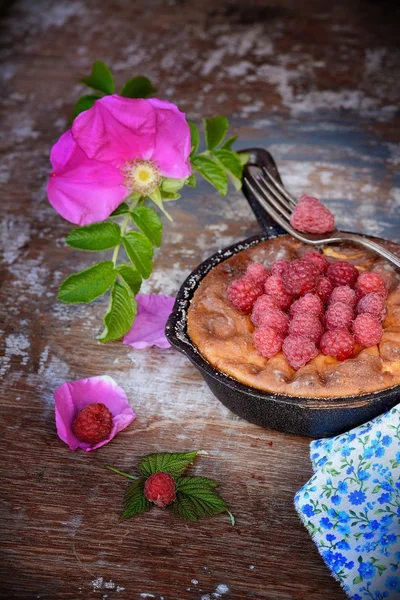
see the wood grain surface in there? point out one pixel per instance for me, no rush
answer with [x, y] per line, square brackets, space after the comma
[317, 83]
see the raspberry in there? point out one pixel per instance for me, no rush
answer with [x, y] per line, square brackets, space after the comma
[307, 325]
[300, 277]
[243, 292]
[93, 423]
[298, 350]
[324, 289]
[338, 343]
[258, 272]
[312, 216]
[367, 330]
[344, 294]
[274, 287]
[279, 267]
[342, 272]
[310, 303]
[160, 489]
[370, 282]
[318, 260]
[373, 304]
[262, 304]
[275, 318]
[338, 316]
[267, 341]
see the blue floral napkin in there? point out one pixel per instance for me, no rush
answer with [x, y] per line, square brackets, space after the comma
[351, 507]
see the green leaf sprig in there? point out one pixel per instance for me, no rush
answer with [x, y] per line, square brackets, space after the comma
[135, 227]
[195, 497]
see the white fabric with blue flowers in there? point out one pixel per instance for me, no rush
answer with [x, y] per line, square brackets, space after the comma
[351, 507]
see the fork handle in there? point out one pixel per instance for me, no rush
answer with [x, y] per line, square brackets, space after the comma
[371, 245]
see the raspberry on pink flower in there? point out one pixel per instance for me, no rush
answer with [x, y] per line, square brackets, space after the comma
[242, 293]
[267, 341]
[279, 267]
[342, 272]
[344, 294]
[298, 350]
[307, 325]
[374, 304]
[275, 318]
[318, 260]
[310, 303]
[262, 304]
[338, 316]
[324, 289]
[160, 489]
[300, 277]
[370, 282]
[274, 287]
[367, 330]
[258, 272]
[311, 216]
[338, 343]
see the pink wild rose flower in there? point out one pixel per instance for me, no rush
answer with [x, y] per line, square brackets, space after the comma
[149, 325]
[119, 146]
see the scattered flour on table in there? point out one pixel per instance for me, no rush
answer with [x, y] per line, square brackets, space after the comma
[100, 584]
[16, 344]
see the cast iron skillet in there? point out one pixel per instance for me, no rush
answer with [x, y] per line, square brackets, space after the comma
[315, 417]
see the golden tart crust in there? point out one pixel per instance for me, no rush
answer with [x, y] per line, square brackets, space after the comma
[224, 336]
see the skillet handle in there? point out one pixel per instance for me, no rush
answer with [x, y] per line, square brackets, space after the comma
[260, 158]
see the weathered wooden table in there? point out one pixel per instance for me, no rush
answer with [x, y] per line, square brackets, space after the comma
[315, 82]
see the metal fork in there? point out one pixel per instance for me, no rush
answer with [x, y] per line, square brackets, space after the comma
[279, 204]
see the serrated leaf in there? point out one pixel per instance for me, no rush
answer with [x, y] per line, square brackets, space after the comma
[149, 223]
[215, 130]
[84, 103]
[190, 485]
[194, 137]
[122, 209]
[231, 163]
[172, 185]
[100, 79]
[120, 314]
[138, 87]
[174, 463]
[140, 251]
[212, 172]
[131, 277]
[229, 143]
[87, 285]
[183, 508]
[196, 505]
[134, 500]
[95, 237]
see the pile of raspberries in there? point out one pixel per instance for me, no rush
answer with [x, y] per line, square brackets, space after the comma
[309, 305]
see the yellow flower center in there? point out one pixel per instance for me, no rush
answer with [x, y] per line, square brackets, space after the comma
[141, 176]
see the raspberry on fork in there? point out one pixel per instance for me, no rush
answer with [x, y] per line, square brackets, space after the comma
[342, 272]
[338, 343]
[298, 350]
[300, 277]
[267, 341]
[242, 293]
[311, 216]
[367, 330]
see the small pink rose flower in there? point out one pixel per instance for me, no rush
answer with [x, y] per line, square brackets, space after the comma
[119, 146]
[149, 326]
[72, 396]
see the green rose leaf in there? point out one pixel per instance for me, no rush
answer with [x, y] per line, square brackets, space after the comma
[95, 237]
[229, 143]
[215, 129]
[122, 209]
[131, 277]
[120, 314]
[138, 87]
[140, 251]
[196, 499]
[231, 163]
[149, 223]
[211, 171]
[84, 103]
[100, 79]
[191, 181]
[158, 201]
[169, 196]
[172, 185]
[194, 137]
[174, 463]
[87, 285]
[134, 500]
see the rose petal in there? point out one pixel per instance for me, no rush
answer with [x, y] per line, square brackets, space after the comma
[72, 396]
[80, 189]
[149, 326]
